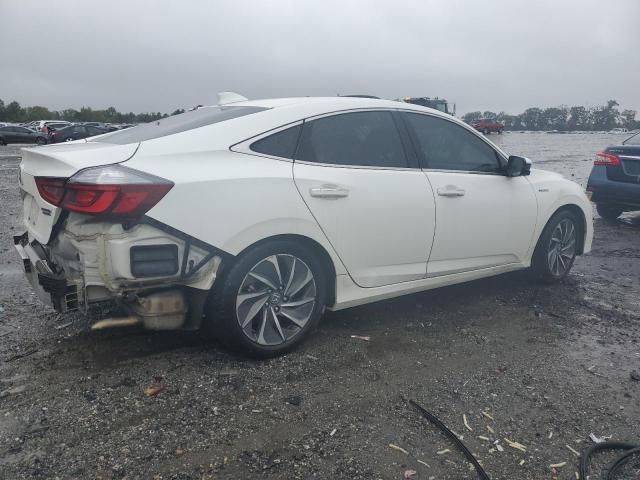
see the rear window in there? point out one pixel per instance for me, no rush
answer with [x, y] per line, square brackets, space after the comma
[178, 123]
[634, 140]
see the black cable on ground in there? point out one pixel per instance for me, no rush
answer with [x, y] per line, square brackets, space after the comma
[467, 453]
[631, 449]
[616, 465]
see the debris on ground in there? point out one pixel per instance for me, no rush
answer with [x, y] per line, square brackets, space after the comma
[635, 375]
[516, 445]
[409, 474]
[595, 439]
[64, 325]
[573, 450]
[466, 423]
[557, 465]
[153, 390]
[488, 416]
[400, 449]
[442, 452]
[360, 337]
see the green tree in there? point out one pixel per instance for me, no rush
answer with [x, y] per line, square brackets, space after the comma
[628, 119]
[13, 112]
[532, 119]
[471, 116]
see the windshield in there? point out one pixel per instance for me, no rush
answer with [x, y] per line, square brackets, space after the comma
[178, 123]
[633, 140]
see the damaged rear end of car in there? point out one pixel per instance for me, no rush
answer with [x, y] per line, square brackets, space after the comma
[89, 245]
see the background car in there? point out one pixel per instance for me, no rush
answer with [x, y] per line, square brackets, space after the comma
[74, 132]
[614, 183]
[44, 125]
[487, 125]
[14, 134]
[249, 219]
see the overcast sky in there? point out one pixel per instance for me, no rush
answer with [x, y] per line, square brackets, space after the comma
[140, 55]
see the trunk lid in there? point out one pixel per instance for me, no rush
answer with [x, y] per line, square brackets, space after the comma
[63, 161]
[629, 169]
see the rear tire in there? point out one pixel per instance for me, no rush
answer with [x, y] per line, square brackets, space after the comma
[2, 142]
[269, 300]
[609, 212]
[557, 247]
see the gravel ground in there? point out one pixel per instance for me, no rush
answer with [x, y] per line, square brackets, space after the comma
[542, 366]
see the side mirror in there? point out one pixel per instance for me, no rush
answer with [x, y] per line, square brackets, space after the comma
[518, 166]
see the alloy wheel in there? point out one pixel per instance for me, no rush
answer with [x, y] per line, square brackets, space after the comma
[562, 247]
[276, 299]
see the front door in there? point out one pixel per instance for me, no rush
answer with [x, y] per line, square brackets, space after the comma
[483, 218]
[375, 208]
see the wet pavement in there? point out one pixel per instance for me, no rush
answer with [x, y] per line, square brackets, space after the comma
[539, 365]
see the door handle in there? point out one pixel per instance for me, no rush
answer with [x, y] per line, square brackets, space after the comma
[328, 191]
[451, 191]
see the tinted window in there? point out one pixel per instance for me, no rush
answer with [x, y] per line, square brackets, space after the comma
[94, 131]
[281, 144]
[361, 138]
[178, 123]
[447, 146]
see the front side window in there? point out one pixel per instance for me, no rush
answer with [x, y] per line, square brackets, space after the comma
[368, 139]
[447, 146]
[282, 144]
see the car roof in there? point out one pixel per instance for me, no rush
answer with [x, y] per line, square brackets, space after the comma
[330, 103]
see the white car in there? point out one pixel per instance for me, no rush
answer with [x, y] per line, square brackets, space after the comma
[249, 218]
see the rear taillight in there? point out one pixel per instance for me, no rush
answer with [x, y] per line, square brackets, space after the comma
[113, 190]
[51, 189]
[606, 159]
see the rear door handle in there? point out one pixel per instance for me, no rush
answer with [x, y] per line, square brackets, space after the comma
[451, 191]
[328, 191]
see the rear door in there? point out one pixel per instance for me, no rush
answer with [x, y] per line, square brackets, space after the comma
[484, 218]
[369, 197]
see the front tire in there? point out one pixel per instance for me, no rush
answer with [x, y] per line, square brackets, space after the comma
[557, 247]
[485, 131]
[609, 212]
[41, 140]
[270, 299]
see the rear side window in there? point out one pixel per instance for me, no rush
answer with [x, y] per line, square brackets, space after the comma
[368, 139]
[178, 123]
[447, 146]
[282, 144]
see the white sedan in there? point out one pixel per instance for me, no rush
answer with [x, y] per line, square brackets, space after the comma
[247, 219]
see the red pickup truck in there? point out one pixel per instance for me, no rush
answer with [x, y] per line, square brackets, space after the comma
[487, 125]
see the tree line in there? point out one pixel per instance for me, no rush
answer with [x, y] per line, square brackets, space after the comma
[15, 113]
[563, 118]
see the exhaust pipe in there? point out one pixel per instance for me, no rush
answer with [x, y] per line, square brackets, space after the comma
[117, 322]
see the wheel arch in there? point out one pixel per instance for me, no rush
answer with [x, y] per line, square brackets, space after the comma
[329, 268]
[579, 213]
